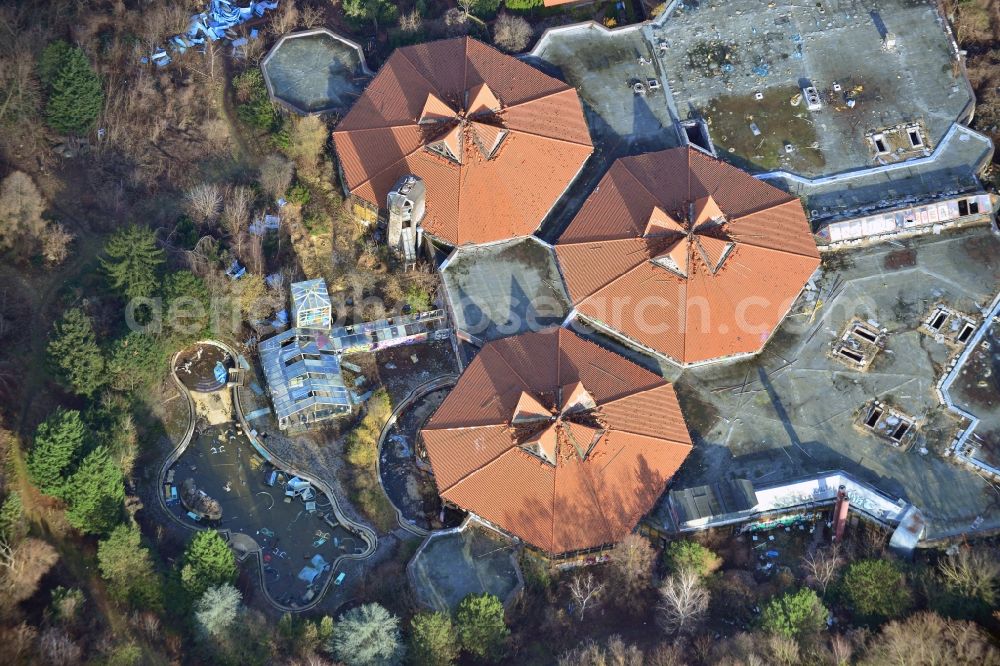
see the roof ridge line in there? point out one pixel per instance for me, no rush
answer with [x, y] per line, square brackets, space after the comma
[514, 130]
[390, 166]
[468, 427]
[589, 481]
[516, 373]
[403, 52]
[610, 429]
[768, 247]
[656, 199]
[629, 395]
[404, 123]
[548, 94]
[614, 278]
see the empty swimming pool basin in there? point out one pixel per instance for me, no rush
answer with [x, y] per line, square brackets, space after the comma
[315, 71]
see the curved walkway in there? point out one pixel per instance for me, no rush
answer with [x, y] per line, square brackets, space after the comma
[366, 533]
[414, 395]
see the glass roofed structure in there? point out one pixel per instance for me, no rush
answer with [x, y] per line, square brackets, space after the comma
[303, 374]
[302, 364]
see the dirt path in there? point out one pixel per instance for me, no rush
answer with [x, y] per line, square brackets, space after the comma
[42, 294]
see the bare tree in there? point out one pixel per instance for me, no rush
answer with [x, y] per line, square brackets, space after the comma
[55, 243]
[17, 641]
[22, 566]
[311, 16]
[285, 19]
[411, 21]
[58, 648]
[927, 638]
[21, 207]
[467, 6]
[275, 175]
[972, 572]
[632, 565]
[204, 203]
[683, 602]
[841, 649]
[236, 216]
[821, 566]
[614, 653]
[512, 33]
[585, 591]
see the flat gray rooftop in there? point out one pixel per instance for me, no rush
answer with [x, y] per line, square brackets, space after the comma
[977, 390]
[719, 53]
[504, 288]
[792, 411]
[452, 565]
[952, 171]
[315, 71]
[602, 66]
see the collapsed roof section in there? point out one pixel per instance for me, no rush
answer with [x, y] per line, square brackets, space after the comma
[687, 256]
[556, 440]
[496, 141]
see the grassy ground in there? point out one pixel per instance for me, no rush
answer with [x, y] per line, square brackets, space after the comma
[729, 118]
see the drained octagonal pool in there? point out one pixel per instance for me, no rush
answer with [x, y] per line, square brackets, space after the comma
[316, 71]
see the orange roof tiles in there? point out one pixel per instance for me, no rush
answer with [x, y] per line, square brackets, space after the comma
[687, 255]
[604, 438]
[495, 140]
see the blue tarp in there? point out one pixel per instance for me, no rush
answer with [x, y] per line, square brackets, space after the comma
[215, 23]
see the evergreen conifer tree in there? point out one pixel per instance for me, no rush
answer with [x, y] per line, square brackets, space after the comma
[133, 262]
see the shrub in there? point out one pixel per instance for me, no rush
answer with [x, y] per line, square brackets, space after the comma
[795, 614]
[432, 636]
[512, 33]
[481, 627]
[523, 4]
[208, 562]
[691, 555]
[298, 193]
[876, 590]
[253, 105]
[367, 636]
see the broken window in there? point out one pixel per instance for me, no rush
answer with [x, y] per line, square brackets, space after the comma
[863, 332]
[879, 141]
[857, 357]
[873, 416]
[900, 431]
[973, 207]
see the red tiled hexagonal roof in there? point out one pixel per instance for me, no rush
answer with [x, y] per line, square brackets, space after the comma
[495, 140]
[556, 440]
[687, 255]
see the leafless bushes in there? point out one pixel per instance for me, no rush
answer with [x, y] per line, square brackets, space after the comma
[275, 175]
[821, 567]
[632, 568]
[22, 566]
[204, 203]
[411, 21]
[285, 18]
[512, 33]
[55, 244]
